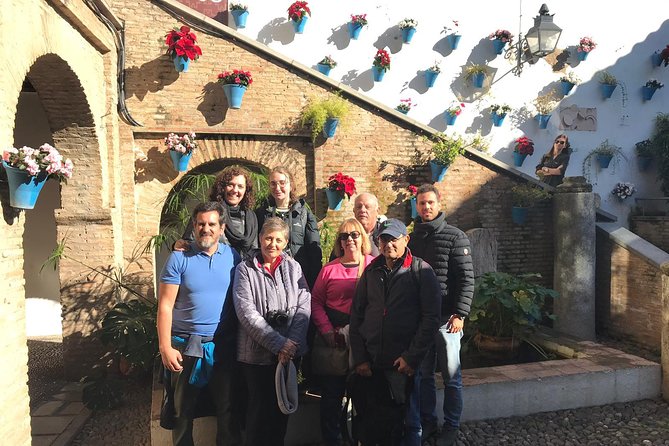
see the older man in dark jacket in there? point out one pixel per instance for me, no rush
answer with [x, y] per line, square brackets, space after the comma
[447, 250]
[394, 317]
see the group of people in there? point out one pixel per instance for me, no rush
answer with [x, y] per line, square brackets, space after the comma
[234, 312]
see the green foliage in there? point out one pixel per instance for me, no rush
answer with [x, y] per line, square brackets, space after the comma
[644, 148]
[660, 141]
[328, 238]
[607, 78]
[474, 69]
[526, 195]
[446, 148]
[604, 149]
[318, 111]
[508, 305]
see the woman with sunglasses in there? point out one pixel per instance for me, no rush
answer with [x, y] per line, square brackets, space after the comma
[554, 164]
[331, 300]
[304, 239]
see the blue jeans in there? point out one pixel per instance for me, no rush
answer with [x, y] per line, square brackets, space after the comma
[412, 423]
[446, 351]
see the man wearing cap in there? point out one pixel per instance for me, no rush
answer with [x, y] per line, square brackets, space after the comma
[194, 307]
[447, 250]
[394, 317]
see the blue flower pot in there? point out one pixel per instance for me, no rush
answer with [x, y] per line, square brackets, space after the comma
[498, 45]
[454, 40]
[518, 159]
[234, 94]
[378, 73]
[354, 30]
[330, 127]
[240, 17]
[607, 90]
[181, 63]
[656, 59]
[566, 87]
[644, 162]
[543, 120]
[325, 69]
[404, 112]
[647, 93]
[298, 25]
[477, 80]
[581, 55]
[23, 187]
[437, 170]
[497, 120]
[450, 118]
[519, 215]
[335, 199]
[430, 77]
[604, 161]
[407, 34]
[180, 160]
[414, 212]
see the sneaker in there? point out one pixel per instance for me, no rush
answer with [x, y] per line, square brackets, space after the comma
[429, 432]
[448, 437]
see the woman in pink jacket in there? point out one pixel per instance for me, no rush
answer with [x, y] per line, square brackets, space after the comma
[331, 300]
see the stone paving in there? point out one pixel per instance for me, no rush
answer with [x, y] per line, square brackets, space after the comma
[57, 421]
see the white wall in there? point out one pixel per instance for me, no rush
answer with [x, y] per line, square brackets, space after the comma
[626, 38]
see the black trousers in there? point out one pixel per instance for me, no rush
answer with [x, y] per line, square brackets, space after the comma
[223, 390]
[265, 424]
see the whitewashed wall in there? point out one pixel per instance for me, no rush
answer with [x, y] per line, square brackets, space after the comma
[626, 37]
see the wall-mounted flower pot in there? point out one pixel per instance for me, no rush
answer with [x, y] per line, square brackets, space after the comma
[566, 87]
[656, 59]
[518, 159]
[403, 111]
[180, 160]
[607, 90]
[299, 25]
[543, 120]
[498, 45]
[644, 162]
[325, 69]
[519, 215]
[582, 55]
[454, 40]
[354, 30]
[335, 199]
[414, 212]
[378, 73]
[23, 187]
[450, 118]
[330, 127]
[647, 93]
[604, 161]
[477, 80]
[437, 170]
[430, 77]
[181, 64]
[234, 94]
[407, 34]
[240, 17]
[497, 119]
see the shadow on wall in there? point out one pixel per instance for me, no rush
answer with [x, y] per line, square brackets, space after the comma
[277, 30]
[340, 37]
[359, 80]
[212, 105]
[156, 164]
[390, 39]
[443, 47]
[152, 77]
[417, 83]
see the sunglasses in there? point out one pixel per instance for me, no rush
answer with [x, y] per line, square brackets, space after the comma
[560, 141]
[355, 235]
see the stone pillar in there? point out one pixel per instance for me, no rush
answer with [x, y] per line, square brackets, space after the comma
[665, 331]
[574, 273]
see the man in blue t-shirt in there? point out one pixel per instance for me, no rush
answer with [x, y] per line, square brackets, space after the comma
[193, 300]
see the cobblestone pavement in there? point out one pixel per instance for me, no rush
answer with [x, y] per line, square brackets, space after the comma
[45, 368]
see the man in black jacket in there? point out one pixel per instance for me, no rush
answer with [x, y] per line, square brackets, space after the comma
[394, 317]
[447, 250]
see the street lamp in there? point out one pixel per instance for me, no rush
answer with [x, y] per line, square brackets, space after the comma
[539, 41]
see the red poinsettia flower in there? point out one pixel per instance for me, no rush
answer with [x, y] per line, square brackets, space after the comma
[182, 43]
[297, 10]
[382, 60]
[412, 190]
[238, 77]
[664, 55]
[524, 146]
[342, 183]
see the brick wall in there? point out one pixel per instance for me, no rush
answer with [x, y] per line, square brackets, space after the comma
[628, 294]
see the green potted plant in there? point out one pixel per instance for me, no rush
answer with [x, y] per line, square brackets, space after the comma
[299, 13]
[523, 148]
[585, 45]
[380, 65]
[405, 106]
[605, 154]
[649, 88]
[453, 34]
[444, 151]
[339, 186]
[182, 47]
[545, 104]
[523, 197]
[356, 24]
[239, 12]
[608, 83]
[508, 308]
[408, 29]
[498, 113]
[568, 81]
[660, 140]
[499, 39]
[323, 115]
[235, 83]
[431, 74]
[476, 73]
[644, 151]
[326, 64]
